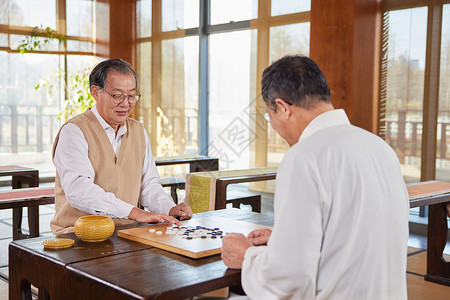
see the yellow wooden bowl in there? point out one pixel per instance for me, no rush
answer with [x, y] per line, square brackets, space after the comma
[94, 228]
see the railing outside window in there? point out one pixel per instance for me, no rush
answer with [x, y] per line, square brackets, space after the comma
[405, 135]
[27, 128]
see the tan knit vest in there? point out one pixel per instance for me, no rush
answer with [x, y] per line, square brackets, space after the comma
[121, 176]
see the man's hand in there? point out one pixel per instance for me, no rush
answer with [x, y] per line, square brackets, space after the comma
[182, 210]
[144, 216]
[234, 246]
[259, 237]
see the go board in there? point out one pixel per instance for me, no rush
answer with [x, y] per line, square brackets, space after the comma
[201, 244]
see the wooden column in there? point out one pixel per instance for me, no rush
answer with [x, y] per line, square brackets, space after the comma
[431, 91]
[122, 24]
[122, 32]
[260, 146]
[345, 37]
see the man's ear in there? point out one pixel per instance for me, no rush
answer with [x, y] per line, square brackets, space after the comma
[283, 107]
[94, 91]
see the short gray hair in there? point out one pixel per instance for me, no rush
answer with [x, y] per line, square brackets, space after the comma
[99, 74]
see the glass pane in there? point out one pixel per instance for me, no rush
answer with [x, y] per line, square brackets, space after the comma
[4, 12]
[33, 13]
[230, 133]
[226, 11]
[28, 121]
[143, 18]
[79, 17]
[144, 64]
[79, 98]
[288, 40]
[78, 46]
[3, 40]
[179, 14]
[405, 83]
[178, 113]
[52, 45]
[443, 134]
[283, 7]
[285, 40]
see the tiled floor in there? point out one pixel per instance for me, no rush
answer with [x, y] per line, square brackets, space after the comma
[418, 288]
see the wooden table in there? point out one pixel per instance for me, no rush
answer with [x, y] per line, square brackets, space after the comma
[119, 268]
[435, 194]
[22, 177]
[197, 163]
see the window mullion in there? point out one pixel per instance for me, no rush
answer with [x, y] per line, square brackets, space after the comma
[204, 23]
[431, 91]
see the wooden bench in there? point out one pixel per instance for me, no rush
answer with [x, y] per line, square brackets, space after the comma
[208, 190]
[173, 183]
[236, 198]
[436, 194]
[222, 197]
[197, 163]
[30, 198]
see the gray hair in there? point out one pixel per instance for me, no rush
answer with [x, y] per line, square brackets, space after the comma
[99, 74]
[297, 80]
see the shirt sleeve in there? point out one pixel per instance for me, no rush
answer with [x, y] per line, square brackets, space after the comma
[77, 177]
[153, 197]
[287, 267]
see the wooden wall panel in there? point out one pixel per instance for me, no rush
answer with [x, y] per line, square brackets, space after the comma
[122, 36]
[344, 42]
[122, 30]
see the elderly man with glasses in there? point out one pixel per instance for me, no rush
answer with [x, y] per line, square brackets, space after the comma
[103, 159]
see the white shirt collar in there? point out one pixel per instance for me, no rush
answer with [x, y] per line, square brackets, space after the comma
[325, 120]
[105, 125]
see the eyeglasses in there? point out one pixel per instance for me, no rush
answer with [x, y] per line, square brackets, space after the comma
[119, 98]
[266, 117]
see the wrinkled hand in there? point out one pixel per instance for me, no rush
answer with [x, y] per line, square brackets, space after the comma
[259, 237]
[234, 246]
[182, 210]
[144, 216]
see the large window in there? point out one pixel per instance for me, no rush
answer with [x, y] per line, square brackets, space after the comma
[229, 97]
[167, 64]
[33, 85]
[200, 64]
[443, 130]
[405, 83]
[416, 123]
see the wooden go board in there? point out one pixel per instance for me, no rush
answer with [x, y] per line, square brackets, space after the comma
[196, 247]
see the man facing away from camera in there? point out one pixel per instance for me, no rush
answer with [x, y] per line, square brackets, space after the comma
[341, 205]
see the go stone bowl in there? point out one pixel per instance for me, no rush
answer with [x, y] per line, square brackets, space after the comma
[94, 228]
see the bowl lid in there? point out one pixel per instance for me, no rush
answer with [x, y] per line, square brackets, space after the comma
[58, 243]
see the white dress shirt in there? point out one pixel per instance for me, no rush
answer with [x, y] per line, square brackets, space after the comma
[341, 220]
[77, 175]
